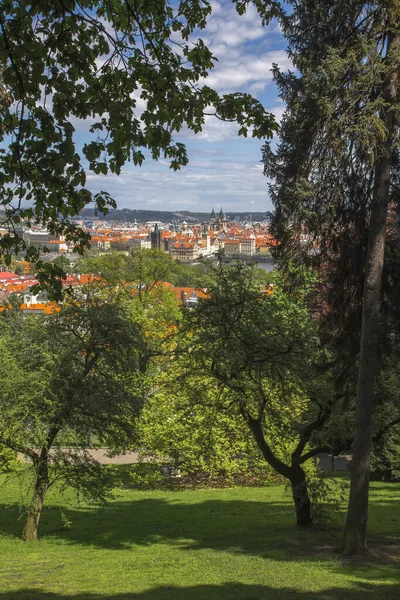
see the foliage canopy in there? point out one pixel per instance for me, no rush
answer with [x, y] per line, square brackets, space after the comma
[132, 70]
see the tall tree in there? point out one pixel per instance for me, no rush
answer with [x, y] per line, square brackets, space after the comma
[139, 282]
[334, 174]
[96, 61]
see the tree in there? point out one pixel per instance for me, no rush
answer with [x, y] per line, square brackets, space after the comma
[138, 282]
[190, 421]
[148, 268]
[333, 176]
[385, 460]
[262, 348]
[19, 269]
[61, 378]
[96, 61]
[145, 268]
[63, 262]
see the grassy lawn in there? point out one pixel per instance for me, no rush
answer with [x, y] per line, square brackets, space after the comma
[231, 544]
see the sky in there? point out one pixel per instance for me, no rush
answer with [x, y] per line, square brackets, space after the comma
[224, 170]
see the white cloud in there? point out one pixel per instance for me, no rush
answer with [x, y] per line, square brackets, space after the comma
[225, 26]
[214, 130]
[244, 49]
[247, 70]
[224, 169]
[278, 111]
[202, 184]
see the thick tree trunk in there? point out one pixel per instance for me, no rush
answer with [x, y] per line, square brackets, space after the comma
[30, 530]
[294, 473]
[354, 540]
[356, 525]
[300, 497]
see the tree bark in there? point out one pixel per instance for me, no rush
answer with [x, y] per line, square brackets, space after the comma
[29, 533]
[294, 473]
[354, 539]
[300, 497]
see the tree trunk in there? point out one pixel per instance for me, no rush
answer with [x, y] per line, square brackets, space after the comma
[356, 525]
[300, 497]
[354, 539]
[30, 530]
[294, 473]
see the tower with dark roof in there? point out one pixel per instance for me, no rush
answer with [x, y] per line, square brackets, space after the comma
[155, 237]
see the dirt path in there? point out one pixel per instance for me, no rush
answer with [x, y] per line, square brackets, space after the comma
[100, 454]
[341, 463]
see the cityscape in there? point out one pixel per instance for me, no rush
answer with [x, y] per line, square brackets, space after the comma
[215, 239]
[199, 299]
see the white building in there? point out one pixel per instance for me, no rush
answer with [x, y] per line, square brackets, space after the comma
[248, 246]
[140, 243]
[185, 251]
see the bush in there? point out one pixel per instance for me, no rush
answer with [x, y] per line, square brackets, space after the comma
[385, 461]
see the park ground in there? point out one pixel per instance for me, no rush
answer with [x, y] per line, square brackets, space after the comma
[207, 544]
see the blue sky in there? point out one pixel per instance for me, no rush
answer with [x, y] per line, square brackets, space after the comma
[224, 169]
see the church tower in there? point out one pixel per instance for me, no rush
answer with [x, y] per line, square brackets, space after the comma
[213, 220]
[218, 223]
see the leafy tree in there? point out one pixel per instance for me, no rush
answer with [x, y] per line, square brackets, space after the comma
[15, 266]
[334, 174]
[19, 269]
[190, 421]
[63, 262]
[145, 268]
[137, 282]
[385, 461]
[197, 276]
[262, 348]
[68, 375]
[95, 60]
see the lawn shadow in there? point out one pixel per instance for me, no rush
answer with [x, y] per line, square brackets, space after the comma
[227, 591]
[258, 528]
[266, 529]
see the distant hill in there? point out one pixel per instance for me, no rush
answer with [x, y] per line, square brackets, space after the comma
[166, 216]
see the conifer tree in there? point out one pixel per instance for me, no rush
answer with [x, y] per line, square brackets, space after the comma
[334, 180]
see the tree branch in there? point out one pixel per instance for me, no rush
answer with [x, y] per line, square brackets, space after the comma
[18, 448]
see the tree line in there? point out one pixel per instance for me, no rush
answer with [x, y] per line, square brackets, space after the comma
[240, 384]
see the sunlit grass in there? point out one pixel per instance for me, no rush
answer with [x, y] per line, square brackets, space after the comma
[205, 544]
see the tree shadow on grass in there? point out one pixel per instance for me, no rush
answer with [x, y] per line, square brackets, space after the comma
[227, 591]
[264, 529]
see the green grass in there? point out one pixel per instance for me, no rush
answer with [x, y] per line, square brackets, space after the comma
[231, 544]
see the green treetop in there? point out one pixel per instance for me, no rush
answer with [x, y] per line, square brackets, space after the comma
[95, 60]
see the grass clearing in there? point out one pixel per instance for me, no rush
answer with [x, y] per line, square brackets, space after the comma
[228, 544]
